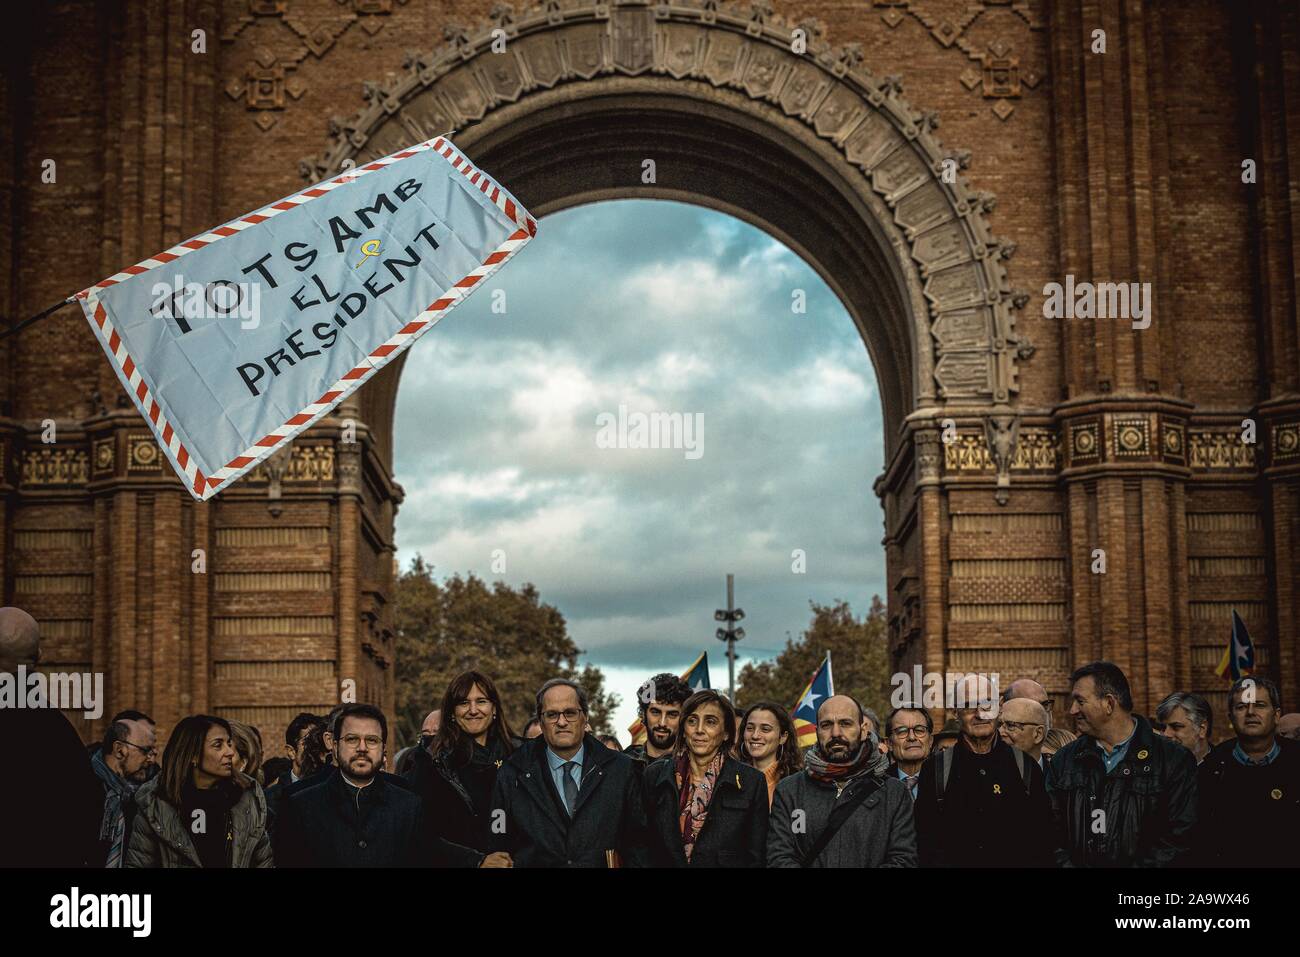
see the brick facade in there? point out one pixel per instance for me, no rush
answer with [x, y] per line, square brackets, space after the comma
[1066, 436]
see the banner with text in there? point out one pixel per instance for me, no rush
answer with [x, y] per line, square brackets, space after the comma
[235, 341]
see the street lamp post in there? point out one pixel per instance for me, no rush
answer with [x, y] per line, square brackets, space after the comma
[731, 634]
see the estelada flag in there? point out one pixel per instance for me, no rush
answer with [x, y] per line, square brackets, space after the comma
[235, 341]
[820, 687]
[697, 676]
[1239, 656]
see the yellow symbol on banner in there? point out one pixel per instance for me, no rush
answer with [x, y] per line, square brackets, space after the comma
[1142, 754]
[370, 248]
[1276, 794]
[997, 789]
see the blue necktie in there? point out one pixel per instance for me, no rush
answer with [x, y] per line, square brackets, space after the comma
[570, 785]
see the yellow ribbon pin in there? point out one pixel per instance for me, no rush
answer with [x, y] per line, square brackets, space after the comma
[997, 789]
[1142, 754]
[369, 249]
[1276, 794]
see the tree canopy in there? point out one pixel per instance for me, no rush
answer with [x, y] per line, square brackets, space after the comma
[509, 634]
[859, 650]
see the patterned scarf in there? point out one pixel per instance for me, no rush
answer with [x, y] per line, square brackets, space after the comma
[868, 760]
[694, 807]
[112, 827]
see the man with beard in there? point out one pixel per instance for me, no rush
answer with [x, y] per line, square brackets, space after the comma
[1122, 795]
[124, 761]
[1250, 785]
[660, 709]
[982, 803]
[354, 817]
[843, 809]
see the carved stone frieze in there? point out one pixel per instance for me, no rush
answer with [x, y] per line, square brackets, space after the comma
[746, 49]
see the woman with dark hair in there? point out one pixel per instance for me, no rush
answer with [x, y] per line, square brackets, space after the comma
[705, 808]
[768, 743]
[198, 811]
[454, 776]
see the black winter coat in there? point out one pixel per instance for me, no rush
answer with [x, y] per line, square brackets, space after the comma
[1148, 802]
[734, 832]
[450, 811]
[332, 824]
[537, 831]
[1249, 816]
[53, 819]
[986, 818]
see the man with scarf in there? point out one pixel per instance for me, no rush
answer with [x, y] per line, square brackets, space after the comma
[843, 809]
[125, 760]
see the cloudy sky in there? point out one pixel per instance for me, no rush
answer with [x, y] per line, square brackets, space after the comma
[658, 307]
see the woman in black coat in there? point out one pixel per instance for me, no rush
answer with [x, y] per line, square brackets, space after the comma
[455, 775]
[705, 808]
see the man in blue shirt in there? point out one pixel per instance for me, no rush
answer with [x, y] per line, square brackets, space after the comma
[565, 799]
[1122, 795]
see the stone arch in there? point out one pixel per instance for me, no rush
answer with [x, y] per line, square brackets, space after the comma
[812, 147]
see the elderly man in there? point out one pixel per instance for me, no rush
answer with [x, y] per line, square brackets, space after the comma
[429, 727]
[909, 731]
[1023, 725]
[1031, 689]
[51, 818]
[1289, 726]
[122, 763]
[1188, 720]
[982, 803]
[843, 809]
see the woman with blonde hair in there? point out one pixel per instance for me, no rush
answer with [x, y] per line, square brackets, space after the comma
[1055, 740]
[248, 750]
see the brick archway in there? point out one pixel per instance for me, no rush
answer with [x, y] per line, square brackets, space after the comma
[813, 148]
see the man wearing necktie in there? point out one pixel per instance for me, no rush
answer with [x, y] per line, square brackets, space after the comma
[909, 732]
[565, 799]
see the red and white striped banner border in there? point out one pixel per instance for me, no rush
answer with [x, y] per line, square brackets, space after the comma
[204, 487]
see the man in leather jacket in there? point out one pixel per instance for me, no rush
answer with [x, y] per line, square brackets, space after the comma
[1122, 795]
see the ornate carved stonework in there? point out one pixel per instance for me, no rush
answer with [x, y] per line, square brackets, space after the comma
[746, 49]
[1286, 442]
[143, 454]
[1036, 450]
[1132, 438]
[1219, 450]
[105, 456]
[52, 467]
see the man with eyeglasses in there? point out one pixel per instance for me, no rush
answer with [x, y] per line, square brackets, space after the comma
[1023, 725]
[354, 817]
[127, 758]
[564, 799]
[1250, 785]
[910, 732]
[982, 803]
[1031, 689]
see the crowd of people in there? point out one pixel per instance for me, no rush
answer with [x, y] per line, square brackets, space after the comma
[711, 786]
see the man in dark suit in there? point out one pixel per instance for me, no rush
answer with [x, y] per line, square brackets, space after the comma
[564, 799]
[353, 818]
